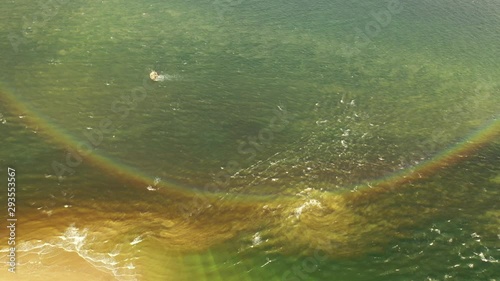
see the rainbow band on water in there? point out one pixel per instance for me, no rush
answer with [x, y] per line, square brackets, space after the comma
[441, 160]
[446, 158]
[35, 120]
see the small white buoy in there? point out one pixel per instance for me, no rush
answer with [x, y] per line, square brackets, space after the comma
[153, 75]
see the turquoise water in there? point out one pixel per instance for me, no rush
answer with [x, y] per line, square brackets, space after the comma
[324, 140]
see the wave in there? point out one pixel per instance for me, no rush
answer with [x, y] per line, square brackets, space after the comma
[77, 241]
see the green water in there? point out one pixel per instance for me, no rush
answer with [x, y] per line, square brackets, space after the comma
[280, 113]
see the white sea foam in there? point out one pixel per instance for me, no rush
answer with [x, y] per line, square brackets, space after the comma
[256, 239]
[167, 77]
[137, 240]
[311, 203]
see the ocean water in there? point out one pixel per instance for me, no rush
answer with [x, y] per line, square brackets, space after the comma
[286, 140]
